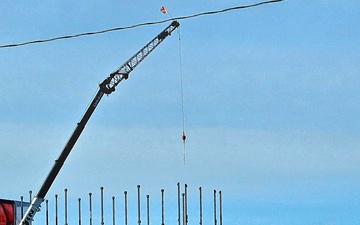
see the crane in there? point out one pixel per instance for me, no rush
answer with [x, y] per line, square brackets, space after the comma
[105, 87]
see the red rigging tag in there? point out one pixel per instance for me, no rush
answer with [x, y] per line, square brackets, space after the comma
[183, 137]
[163, 10]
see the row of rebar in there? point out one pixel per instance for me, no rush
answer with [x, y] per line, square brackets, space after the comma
[182, 200]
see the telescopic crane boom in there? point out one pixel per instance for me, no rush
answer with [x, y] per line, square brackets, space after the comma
[105, 87]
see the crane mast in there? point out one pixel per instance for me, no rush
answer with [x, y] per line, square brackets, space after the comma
[105, 87]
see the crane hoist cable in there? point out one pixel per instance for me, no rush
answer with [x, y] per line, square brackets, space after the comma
[183, 137]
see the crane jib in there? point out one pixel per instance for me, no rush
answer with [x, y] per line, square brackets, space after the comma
[97, 99]
[105, 87]
[109, 83]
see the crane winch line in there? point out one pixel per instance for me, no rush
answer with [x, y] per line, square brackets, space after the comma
[105, 87]
[183, 137]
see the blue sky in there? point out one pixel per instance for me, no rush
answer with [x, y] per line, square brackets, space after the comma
[271, 106]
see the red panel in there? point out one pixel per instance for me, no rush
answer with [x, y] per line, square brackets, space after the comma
[6, 213]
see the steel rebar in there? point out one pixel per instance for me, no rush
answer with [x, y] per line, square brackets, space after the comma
[113, 209]
[186, 205]
[79, 210]
[215, 221]
[125, 197]
[162, 207]
[138, 189]
[47, 212]
[148, 209]
[183, 207]
[178, 187]
[102, 204]
[66, 206]
[182, 220]
[200, 193]
[220, 199]
[22, 206]
[90, 208]
[56, 210]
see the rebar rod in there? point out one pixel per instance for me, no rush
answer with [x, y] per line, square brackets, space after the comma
[200, 193]
[79, 210]
[139, 219]
[66, 206]
[125, 197]
[186, 205]
[102, 204]
[47, 212]
[183, 207]
[215, 222]
[148, 209]
[113, 209]
[162, 207]
[178, 187]
[56, 210]
[90, 208]
[220, 199]
[22, 206]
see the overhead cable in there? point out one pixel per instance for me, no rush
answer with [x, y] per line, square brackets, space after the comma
[139, 24]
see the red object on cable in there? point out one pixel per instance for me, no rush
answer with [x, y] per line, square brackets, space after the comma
[163, 10]
[183, 137]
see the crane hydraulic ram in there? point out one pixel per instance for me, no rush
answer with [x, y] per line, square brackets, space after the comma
[105, 87]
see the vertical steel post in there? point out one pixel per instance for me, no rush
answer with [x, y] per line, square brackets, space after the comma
[162, 207]
[102, 204]
[66, 222]
[90, 208]
[125, 194]
[186, 205]
[22, 206]
[113, 209]
[178, 187]
[138, 189]
[215, 222]
[220, 199]
[79, 210]
[200, 190]
[30, 195]
[183, 207]
[47, 212]
[148, 209]
[56, 210]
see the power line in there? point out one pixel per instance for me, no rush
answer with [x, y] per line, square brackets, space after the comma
[139, 25]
